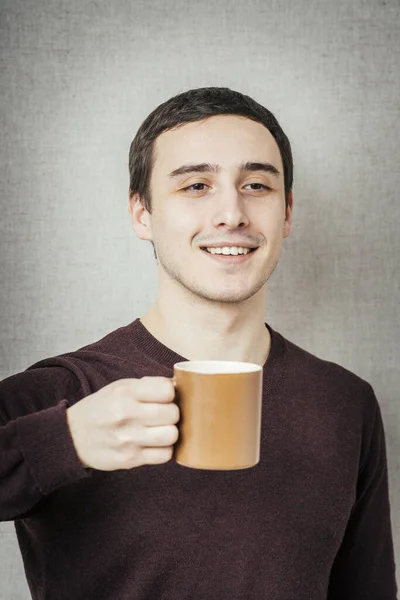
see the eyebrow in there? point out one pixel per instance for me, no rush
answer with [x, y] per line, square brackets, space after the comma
[209, 168]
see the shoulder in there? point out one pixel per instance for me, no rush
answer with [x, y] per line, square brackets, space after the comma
[329, 380]
[71, 375]
[111, 350]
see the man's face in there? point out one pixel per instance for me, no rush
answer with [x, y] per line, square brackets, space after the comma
[218, 184]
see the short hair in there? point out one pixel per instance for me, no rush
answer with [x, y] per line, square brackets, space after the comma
[196, 105]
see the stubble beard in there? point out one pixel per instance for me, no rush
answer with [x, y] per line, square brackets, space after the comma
[228, 297]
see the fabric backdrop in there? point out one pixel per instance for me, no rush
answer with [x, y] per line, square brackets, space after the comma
[78, 78]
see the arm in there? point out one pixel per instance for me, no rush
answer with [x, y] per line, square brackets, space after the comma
[125, 424]
[37, 454]
[364, 566]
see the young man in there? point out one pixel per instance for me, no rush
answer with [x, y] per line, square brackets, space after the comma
[100, 509]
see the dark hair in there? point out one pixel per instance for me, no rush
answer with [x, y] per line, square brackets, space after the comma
[196, 105]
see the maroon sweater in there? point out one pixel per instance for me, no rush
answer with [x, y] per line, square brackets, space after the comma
[310, 522]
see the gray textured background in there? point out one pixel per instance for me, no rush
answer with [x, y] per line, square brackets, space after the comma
[77, 80]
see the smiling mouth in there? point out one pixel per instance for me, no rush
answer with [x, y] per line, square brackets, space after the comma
[220, 251]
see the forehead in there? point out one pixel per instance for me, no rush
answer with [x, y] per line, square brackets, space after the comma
[224, 139]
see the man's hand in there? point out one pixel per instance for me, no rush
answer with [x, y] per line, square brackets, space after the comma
[128, 423]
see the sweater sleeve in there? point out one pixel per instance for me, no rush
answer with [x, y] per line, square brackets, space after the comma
[37, 454]
[364, 566]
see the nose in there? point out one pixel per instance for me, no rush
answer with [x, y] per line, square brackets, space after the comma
[230, 211]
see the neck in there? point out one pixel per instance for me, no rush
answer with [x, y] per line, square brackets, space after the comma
[200, 329]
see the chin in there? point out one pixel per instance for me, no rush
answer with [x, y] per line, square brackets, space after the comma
[227, 296]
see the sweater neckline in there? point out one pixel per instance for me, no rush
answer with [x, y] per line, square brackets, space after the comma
[273, 368]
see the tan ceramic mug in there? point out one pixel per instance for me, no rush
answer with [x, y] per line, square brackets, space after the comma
[220, 406]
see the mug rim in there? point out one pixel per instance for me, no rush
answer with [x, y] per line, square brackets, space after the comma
[242, 367]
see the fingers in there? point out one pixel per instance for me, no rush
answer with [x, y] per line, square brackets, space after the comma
[155, 406]
[155, 389]
[154, 437]
[156, 456]
[153, 415]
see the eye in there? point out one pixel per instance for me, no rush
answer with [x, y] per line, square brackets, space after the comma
[258, 187]
[195, 187]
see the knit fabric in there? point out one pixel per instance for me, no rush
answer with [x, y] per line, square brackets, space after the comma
[311, 521]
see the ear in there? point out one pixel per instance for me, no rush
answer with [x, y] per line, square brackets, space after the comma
[140, 217]
[288, 218]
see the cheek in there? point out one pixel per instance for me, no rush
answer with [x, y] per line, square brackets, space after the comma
[269, 220]
[173, 231]
[177, 222]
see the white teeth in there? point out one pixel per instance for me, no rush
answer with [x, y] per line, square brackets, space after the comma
[232, 250]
